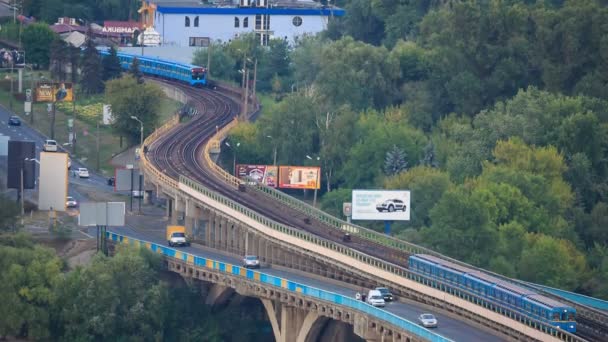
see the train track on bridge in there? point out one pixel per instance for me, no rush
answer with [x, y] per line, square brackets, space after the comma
[180, 152]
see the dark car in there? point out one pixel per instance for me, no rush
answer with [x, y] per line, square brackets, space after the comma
[111, 181]
[14, 121]
[386, 294]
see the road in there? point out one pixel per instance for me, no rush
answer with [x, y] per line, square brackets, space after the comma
[154, 225]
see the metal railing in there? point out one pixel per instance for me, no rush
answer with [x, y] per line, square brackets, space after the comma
[378, 263]
[283, 283]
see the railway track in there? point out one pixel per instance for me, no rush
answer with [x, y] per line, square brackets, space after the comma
[179, 152]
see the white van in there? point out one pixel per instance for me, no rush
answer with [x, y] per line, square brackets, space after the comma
[375, 298]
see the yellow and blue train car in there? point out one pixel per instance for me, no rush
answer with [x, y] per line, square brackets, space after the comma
[193, 75]
[492, 289]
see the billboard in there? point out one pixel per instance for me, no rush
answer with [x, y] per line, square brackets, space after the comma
[264, 174]
[53, 187]
[300, 177]
[382, 205]
[18, 152]
[54, 92]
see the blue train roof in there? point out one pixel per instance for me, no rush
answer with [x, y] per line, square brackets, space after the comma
[498, 283]
[152, 59]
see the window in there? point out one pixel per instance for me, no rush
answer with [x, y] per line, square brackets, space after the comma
[246, 22]
[199, 41]
[258, 21]
[297, 21]
[187, 22]
[236, 22]
[196, 21]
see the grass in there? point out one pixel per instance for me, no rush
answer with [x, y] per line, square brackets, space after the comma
[88, 110]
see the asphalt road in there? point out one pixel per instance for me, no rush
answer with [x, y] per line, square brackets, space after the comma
[448, 327]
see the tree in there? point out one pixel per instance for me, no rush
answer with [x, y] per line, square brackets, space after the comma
[60, 55]
[429, 158]
[129, 98]
[92, 70]
[27, 281]
[222, 63]
[37, 39]
[111, 65]
[135, 71]
[9, 212]
[395, 161]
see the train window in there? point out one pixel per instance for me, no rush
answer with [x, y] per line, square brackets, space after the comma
[236, 22]
[196, 21]
[187, 22]
[555, 316]
[571, 316]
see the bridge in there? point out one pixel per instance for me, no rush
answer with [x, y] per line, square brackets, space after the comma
[224, 214]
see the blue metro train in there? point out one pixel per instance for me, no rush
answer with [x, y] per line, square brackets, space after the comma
[191, 74]
[496, 290]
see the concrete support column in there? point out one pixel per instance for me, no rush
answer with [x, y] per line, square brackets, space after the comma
[289, 324]
[209, 215]
[189, 217]
[169, 209]
[226, 226]
[216, 230]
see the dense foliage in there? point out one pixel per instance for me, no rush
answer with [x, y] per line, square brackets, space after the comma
[118, 299]
[85, 10]
[493, 113]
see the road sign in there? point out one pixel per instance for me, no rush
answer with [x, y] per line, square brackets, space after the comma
[28, 95]
[27, 107]
[347, 209]
[49, 107]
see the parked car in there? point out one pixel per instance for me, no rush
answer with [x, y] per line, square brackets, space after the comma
[428, 320]
[50, 146]
[391, 205]
[374, 297]
[111, 181]
[82, 172]
[138, 193]
[70, 202]
[386, 294]
[14, 121]
[251, 261]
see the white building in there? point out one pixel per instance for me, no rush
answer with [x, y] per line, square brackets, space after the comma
[195, 23]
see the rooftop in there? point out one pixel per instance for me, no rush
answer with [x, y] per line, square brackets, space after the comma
[226, 6]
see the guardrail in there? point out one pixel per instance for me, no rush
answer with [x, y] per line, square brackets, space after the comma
[379, 264]
[286, 284]
[145, 163]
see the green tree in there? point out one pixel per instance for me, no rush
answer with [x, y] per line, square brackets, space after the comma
[59, 59]
[552, 262]
[111, 65]
[395, 161]
[9, 212]
[222, 63]
[135, 71]
[92, 70]
[428, 185]
[37, 39]
[27, 281]
[129, 98]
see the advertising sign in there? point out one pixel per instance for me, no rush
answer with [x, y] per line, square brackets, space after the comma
[382, 205]
[264, 174]
[54, 92]
[53, 184]
[300, 177]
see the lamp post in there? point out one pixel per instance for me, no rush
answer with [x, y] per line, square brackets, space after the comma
[141, 151]
[314, 200]
[234, 150]
[274, 149]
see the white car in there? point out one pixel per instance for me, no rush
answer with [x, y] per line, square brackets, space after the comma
[50, 146]
[70, 202]
[251, 261]
[375, 298]
[82, 172]
[428, 320]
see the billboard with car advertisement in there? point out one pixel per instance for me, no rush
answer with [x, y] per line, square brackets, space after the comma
[54, 92]
[264, 174]
[382, 205]
[299, 177]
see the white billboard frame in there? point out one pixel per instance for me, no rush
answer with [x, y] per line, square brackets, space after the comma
[381, 205]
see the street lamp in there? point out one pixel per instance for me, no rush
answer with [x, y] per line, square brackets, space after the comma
[141, 151]
[274, 149]
[233, 156]
[314, 200]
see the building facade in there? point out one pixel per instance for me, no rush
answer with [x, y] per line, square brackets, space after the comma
[195, 24]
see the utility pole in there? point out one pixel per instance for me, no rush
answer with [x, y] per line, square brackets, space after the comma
[209, 60]
[53, 121]
[74, 123]
[97, 145]
[246, 94]
[255, 76]
[243, 83]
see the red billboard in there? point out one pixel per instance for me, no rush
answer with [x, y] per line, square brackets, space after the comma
[300, 177]
[264, 174]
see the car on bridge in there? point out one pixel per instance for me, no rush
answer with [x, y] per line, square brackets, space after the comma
[251, 261]
[428, 320]
[386, 294]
